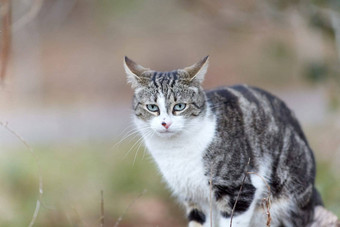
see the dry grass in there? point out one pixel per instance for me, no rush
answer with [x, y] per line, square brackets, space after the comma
[29, 148]
[102, 214]
[128, 208]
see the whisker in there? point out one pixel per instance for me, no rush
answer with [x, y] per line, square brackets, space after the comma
[140, 143]
[130, 133]
[136, 154]
[127, 135]
[132, 147]
[151, 135]
[144, 153]
[139, 140]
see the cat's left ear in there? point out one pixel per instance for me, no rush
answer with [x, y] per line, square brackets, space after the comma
[134, 72]
[198, 70]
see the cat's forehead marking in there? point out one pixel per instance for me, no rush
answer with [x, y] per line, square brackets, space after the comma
[164, 81]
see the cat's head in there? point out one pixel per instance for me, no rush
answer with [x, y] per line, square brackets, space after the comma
[167, 103]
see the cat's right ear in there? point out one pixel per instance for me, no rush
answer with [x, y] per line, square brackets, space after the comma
[198, 70]
[133, 72]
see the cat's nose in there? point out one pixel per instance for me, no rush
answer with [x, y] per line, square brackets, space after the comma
[166, 125]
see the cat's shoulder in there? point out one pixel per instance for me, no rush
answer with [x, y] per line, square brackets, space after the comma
[227, 91]
[234, 92]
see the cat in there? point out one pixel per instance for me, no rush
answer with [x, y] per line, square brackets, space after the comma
[232, 146]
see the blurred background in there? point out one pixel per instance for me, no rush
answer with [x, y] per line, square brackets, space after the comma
[64, 92]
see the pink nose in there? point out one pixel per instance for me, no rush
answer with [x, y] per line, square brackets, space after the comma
[166, 125]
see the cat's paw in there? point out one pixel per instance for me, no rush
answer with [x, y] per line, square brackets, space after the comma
[195, 224]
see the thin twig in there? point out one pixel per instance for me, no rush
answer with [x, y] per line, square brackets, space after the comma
[77, 220]
[129, 206]
[239, 192]
[29, 148]
[266, 208]
[102, 208]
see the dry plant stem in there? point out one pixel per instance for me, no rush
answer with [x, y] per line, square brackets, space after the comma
[5, 16]
[129, 206]
[239, 192]
[78, 221]
[102, 208]
[266, 207]
[37, 207]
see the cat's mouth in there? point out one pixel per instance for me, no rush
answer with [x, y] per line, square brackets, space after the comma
[166, 133]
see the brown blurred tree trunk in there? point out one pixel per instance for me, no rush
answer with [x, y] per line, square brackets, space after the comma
[5, 16]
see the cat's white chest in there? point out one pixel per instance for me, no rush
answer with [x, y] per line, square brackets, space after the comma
[180, 161]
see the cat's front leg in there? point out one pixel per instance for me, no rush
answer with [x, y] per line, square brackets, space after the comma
[239, 220]
[195, 215]
[228, 196]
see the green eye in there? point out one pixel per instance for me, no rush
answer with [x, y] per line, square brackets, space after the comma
[152, 107]
[179, 107]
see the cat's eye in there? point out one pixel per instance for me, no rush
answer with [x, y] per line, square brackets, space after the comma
[179, 106]
[152, 107]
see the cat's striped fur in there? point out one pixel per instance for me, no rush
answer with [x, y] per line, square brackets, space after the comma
[222, 140]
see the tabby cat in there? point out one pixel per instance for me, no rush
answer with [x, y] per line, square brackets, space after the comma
[232, 146]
